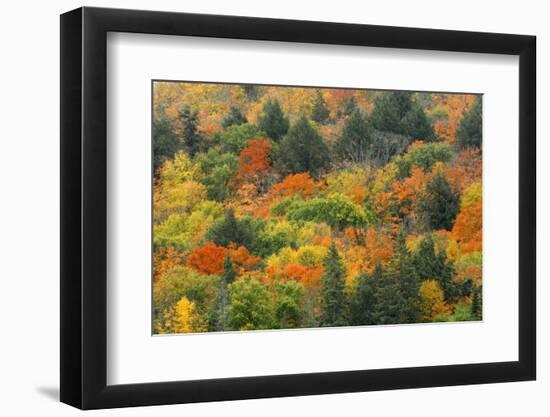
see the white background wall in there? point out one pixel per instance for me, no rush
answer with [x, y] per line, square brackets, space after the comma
[29, 225]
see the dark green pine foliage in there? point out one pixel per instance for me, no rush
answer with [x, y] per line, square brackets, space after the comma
[431, 265]
[289, 304]
[399, 113]
[388, 299]
[349, 107]
[273, 121]
[234, 118]
[354, 143]
[469, 132]
[165, 141]
[402, 270]
[251, 91]
[416, 124]
[320, 112]
[363, 306]
[303, 149]
[477, 304]
[230, 230]
[189, 133]
[438, 206]
[229, 273]
[333, 296]
[219, 317]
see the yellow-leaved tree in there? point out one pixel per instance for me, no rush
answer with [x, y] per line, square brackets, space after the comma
[183, 318]
[433, 300]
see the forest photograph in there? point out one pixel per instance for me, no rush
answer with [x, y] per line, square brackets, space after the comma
[282, 207]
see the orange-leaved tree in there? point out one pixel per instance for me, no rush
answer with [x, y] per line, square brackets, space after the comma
[207, 259]
[296, 184]
[254, 162]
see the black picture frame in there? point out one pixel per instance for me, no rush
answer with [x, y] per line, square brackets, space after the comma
[84, 207]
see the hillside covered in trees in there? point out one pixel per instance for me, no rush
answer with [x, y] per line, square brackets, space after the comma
[282, 207]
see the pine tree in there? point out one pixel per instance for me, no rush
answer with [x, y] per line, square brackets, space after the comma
[403, 271]
[438, 206]
[477, 305]
[416, 124]
[230, 230]
[399, 113]
[303, 149]
[320, 112]
[165, 141]
[364, 302]
[356, 139]
[251, 91]
[388, 300]
[333, 297]
[431, 265]
[219, 318]
[469, 132]
[350, 106]
[273, 121]
[234, 118]
[190, 137]
[229, 273]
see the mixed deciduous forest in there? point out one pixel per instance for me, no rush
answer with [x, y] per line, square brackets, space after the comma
[283, 207]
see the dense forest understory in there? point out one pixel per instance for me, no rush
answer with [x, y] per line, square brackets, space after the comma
[282, 207]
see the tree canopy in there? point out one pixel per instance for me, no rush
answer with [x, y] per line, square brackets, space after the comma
[294, 207]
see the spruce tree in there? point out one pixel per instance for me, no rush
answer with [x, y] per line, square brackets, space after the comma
[273, 121]
[388, 300]
[303, 149]
[320, 112]
[431, 265]
[229, 273]
[403, 271]
[165, 141]
[189, 134]
[350, 106]
[398, 112]
[364, 301]
[415, 124]
[251, 91]
[333, 297]
[234, 118]
[438, 206]
[477, 304]
[469, 132]
[219, 317]
[355, 140]
[230, 230]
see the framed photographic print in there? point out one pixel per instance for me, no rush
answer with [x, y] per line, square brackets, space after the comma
[257, 208]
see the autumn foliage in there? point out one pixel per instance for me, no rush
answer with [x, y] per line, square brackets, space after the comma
[292, 207]
[254, 162]
[207, 259]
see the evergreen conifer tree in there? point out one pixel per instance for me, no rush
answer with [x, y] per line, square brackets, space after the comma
[364, 302]
[165, 141]
[333, 297]
[219, 318]
[403, 271]
[303, 149]
[350, 106]
[469, 132]
[356, 139]
[431, 265]
[440, 203]
[477, 304]
[320, 112]
[273, 121]
[234, 118]
[190, 136]
[398, 112]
